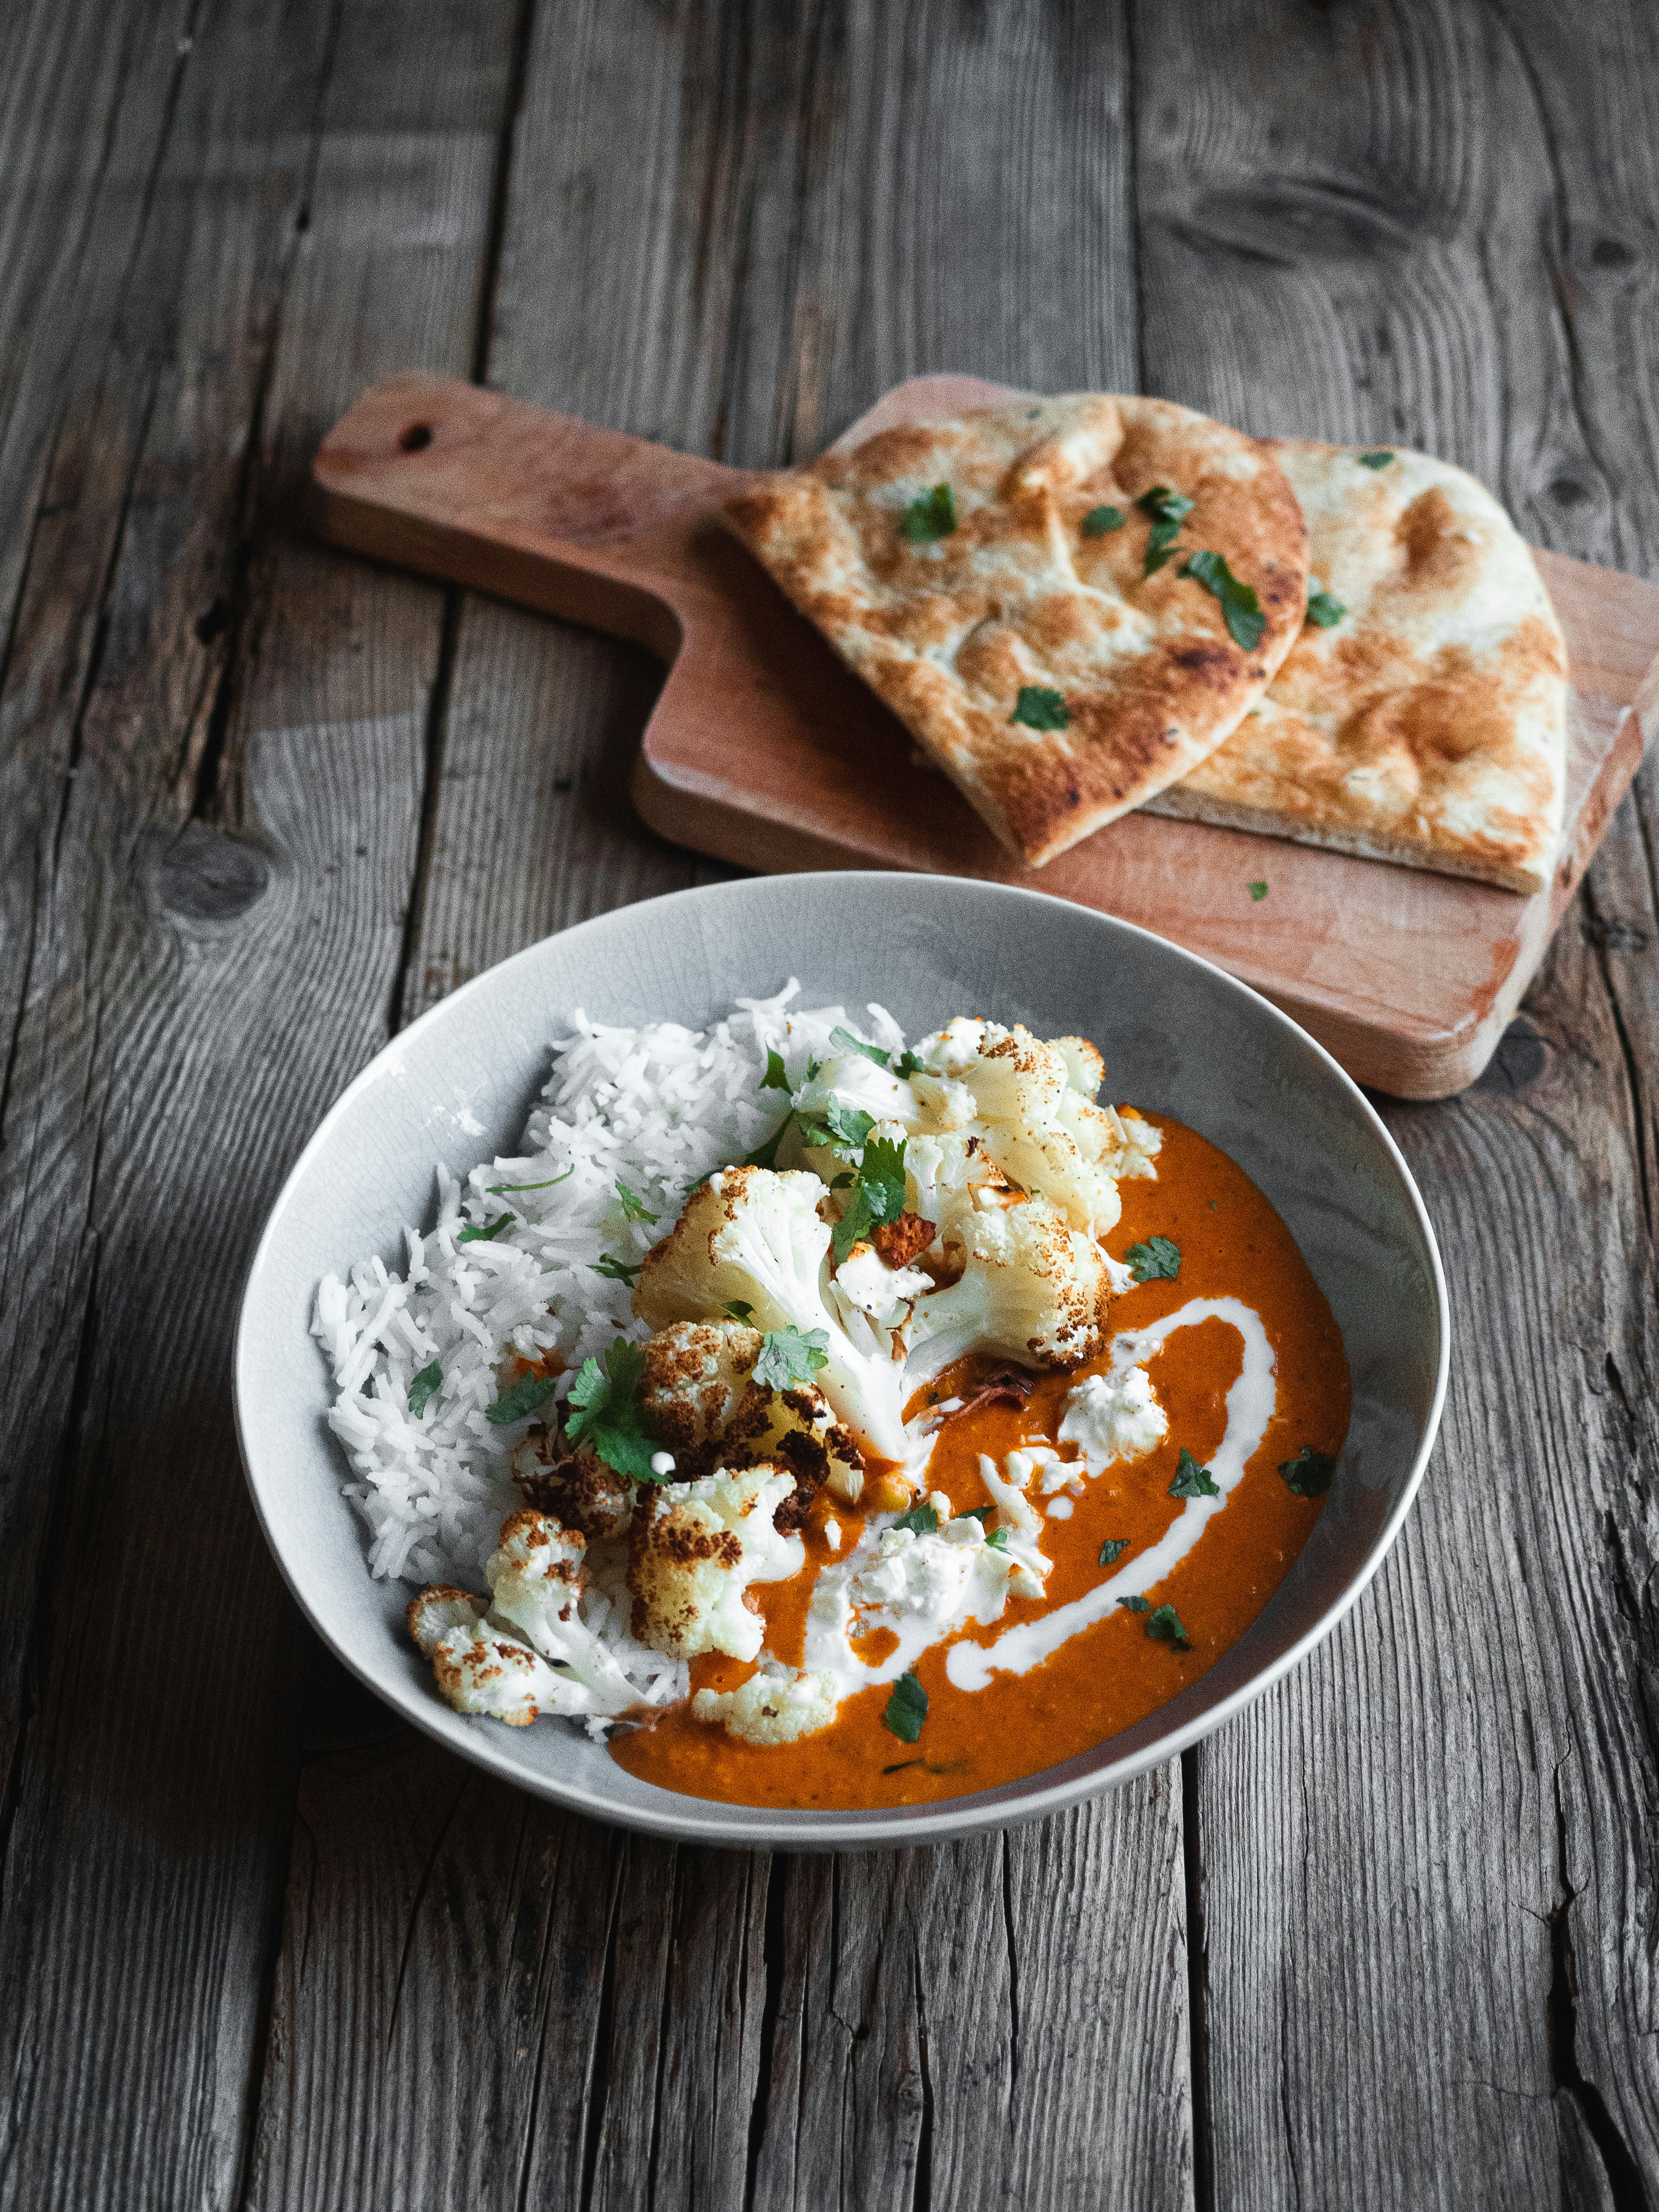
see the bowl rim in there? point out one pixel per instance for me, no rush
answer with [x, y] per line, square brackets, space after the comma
[712, 1821]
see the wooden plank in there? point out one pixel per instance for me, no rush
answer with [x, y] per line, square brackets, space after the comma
[212, 761]
[721, 234]
[1427, 1971]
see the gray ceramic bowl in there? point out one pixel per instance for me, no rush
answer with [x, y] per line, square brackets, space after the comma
[1178, 1037]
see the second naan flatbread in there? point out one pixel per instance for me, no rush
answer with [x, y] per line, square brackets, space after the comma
[988, 577]
[1427, 725]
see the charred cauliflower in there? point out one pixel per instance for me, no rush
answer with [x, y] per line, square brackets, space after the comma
[702, 1397]
[1031, 1289]
[694, 1548]
[776, 1705]
[755, 1238]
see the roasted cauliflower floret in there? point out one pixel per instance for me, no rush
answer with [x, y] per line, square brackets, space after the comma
[572, 1484]
[698, 1381]
[1044, 1135]
[525, 1649]
[480, 1668]
[703, 1400]
[776, 1705]
[877, 1289]
[752, 1237]
[694, 1550]
[1031, 1289]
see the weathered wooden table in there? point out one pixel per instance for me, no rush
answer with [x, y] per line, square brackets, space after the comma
[1390, 1941]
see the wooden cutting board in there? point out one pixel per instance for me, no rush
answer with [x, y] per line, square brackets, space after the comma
[764, 750]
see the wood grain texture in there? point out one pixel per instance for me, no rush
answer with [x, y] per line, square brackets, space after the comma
[1390, 1943]
[1428, 1956]
[727, 2032]
[212, 772]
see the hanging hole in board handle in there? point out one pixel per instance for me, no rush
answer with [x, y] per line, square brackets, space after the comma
[416, 438]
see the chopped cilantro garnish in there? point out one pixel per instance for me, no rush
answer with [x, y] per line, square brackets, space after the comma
[934, 515]
[1309, 1473]
[1193, 1480]
[470, 1234]
[906, 1710]
[907, 1064]
[976, 1513]
[1379, 459]
[1113, 1550]
[1101, 520]
[878, 1195]
[924, 1519]
[506, 1189]
[1136, 1604]
[1258, 891]
[787, 1358]
[521, 1400]
[842, 1182]
[619, 1271]
[740, 1309]
[1156, 1257]
[1166, 1623]
[1325, 609]
[424, 1388]
[1169, 510]
[843, 1128]
[997, 1540]
[607, 1412]
[633, 1205]
[845, 1038]
[1241, 608]
[777, 1077]
[1040, 708]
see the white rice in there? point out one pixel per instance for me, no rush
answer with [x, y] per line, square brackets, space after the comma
[658, 1109]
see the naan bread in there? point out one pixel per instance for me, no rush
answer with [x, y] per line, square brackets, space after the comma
[1427, 726]
[1015, 597]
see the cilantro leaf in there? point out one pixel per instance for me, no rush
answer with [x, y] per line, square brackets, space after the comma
[976, 1513]
[1136, 1604]
[1379, 459]
[906, 1710]
[1257, 890]
[777, 1077]
[619, 1271]
[843, 1181]
[740, 1309]
[1156, 1257]
[845, 1038]
[1325, 609]
[503, 1189]
[1309, 1473]
[1040, 708]
[1166, 1623]
[521, 1400]
[1100, 519]
[633, 1205]
[907, 1064]
[997, 1540]
[933, 515]
[787, 1358]
[607, 1412]
[878, 1195]
[924, 1519]
[1113, 1550]
[1241, 609]
[1193, 1480]
[1169, 510]
[471, 1235]
[843, 1128]
[424, 1388]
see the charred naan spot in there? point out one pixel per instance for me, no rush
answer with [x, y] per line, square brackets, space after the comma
[1439, 548]
[1214, 666]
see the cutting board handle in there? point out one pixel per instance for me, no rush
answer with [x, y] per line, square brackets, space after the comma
[602, 528]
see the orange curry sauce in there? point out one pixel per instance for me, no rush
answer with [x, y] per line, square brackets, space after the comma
[1232, 1244]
